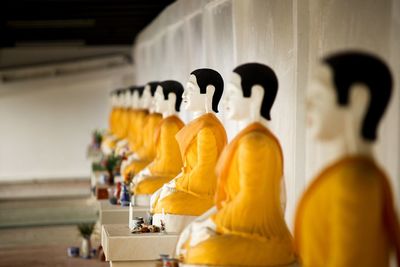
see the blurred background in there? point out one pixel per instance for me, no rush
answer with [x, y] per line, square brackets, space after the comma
[59, 59]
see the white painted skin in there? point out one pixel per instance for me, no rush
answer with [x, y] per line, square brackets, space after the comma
[194, 101]
[146, 101]
[333, 124]
[165, 107]
[245, 110]
[114, 100]
[127, 99]
[135, 100]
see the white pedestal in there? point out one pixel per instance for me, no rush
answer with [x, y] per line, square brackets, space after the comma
[115, 214]
[134, 264]
[122, 248]
[173, 223]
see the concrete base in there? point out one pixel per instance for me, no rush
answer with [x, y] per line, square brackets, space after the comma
[195, 265]
[122, 248]
[173, 223]
[116, 214]
[135, 263]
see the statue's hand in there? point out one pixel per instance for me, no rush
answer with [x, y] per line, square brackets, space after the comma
[122, 148]
[186, 234]
[141, 176]
[201, 231]
[154, 199]
[183, 238]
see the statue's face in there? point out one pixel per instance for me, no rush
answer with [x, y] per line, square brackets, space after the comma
[135, 100]
[146, 98]
[236, 106]
[127, 99]
[325, 118]
[160, 104]
[114, 100]
[192, 99]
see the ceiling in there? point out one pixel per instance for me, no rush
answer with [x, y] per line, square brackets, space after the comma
[75, 22]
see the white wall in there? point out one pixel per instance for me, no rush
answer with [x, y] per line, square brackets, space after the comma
[46, 125]
[290, 36]
[29, 55]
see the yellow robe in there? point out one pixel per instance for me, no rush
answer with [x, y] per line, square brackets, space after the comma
[346, 217]
[168, 162]
[144, 130]
[114, 127]
[124, 123]
[111, 119]
[201, 143]
[137, 122]
[250, 224]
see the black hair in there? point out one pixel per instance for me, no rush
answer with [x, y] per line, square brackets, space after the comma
[175, 87]
[358, 67]
[153, 87]
[252, 74]
[140, 90]
[115, 92]
[132, 89]
[206, 77]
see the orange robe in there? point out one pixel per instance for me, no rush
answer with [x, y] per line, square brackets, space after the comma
[201, 143]
[346, 217]
[112, 119]
[250, 224]
[168, 162]
[123, 124]
[137, 120]
[142, 141]
[115, 127]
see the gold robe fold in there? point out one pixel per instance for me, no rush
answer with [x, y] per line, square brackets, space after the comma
[346, 217]
[250, 224]
[168, 161]
[201, 143]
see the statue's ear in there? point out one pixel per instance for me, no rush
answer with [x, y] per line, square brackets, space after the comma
[257, 92]
[172, 98]
[210, 90]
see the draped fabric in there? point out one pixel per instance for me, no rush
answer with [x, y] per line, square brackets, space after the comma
[355, 192]
[290, 36]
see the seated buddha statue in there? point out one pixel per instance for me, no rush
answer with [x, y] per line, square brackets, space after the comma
[167, 162]
[117, 121]
[191, 192]
[346, 217]
[137, 120]
[247, 226]
[125, 120]
[146, 125]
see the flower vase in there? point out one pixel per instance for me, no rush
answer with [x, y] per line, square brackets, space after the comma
[125, 197]
[110, 178]
[86, 248]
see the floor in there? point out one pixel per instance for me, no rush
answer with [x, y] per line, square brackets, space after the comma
[37, 227]
[44, 256]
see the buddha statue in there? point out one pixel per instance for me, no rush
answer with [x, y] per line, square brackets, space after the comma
[114, 110]
[119, 108]
[201, 141]
[123, 123]
[346, 217]
[246, 227]
[137, 118]
[145, 126]
[167, 162]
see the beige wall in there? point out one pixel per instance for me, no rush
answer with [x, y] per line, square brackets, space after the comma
[46, 125]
